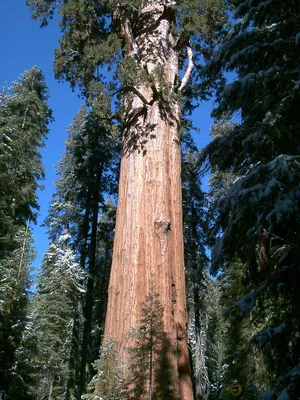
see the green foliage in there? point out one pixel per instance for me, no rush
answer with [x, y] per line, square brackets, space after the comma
[24, 116]
[105, 236]
[53, 310]
[201, 21]
[94, 40]
[87, 174]
[150, 372]
[164, 376]
[15, 366]
[90, 148]
[196, 261]
[209, 354]
[241, 366]
[206, 325]
[257, 216]
[108, 384]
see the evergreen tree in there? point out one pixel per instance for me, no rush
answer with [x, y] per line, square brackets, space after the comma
[86, 175]
[105, 237]
[206, 325]
[196, 261]
[54, 311]
[215, 336]
[258, 219]
[242, 370]
[14, 298]
[151, 373]
[24, 116]
[108, 383]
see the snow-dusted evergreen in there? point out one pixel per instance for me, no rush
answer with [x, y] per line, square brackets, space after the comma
[24, 116]
[257, 221]
[24, 119]
[54, 308]
[82, 217]
[203, 297]
[196, 261]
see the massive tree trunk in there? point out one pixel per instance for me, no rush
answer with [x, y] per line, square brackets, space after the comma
[148, 246]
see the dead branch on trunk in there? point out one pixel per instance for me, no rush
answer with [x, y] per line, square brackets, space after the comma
[189, 69]
[126, 34]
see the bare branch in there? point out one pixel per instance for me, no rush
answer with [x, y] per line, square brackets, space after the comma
[130, 5]
[126, 33]
[137, 93]
[130, 88]
[189, 69]
[183, 41]
[72, 52]
[128, 37]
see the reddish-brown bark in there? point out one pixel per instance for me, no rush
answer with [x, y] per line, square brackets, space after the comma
[148, 247]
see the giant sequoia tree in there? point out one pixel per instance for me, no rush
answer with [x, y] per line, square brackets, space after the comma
[150, 47]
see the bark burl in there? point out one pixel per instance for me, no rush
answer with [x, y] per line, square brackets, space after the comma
[148, 246]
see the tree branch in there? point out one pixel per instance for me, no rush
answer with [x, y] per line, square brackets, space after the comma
[189, 69]
[183, 41]
[134, 90]
[137, 93]
[126, 34]
[50, 10]
[129, 39]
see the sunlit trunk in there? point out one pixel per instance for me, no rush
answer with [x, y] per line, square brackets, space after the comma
[148, 246]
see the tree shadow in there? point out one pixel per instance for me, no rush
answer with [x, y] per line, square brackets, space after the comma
[165, 374]
[154, 49]
[138, 128]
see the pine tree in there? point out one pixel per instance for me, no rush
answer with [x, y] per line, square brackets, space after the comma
[86, 175]
[151, 375]
[196, 261]
[145, 45]
[54, 311]
[206, 325]
[14, 297]
[257, 220]
[242, 367]
[215, 336]
[105, 237]
[24, 116]
[242, 370]
[108, 383]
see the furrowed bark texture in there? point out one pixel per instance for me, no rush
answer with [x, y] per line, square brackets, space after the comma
[148, 246]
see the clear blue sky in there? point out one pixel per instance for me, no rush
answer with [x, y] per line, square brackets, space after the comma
[24, 44]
